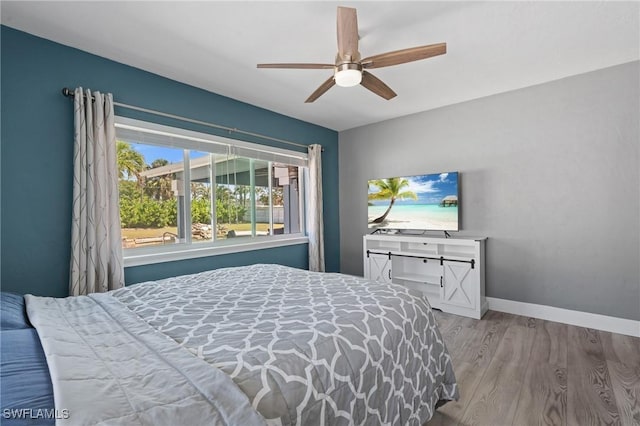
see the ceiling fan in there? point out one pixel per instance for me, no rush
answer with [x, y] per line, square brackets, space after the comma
[350, 70]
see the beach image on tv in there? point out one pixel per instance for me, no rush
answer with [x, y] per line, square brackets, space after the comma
[424, 202]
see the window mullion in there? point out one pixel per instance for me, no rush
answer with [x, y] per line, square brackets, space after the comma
[270, 177]
[187, 197]
[252, 184]
[212, 196]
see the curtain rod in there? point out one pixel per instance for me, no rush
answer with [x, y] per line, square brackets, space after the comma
[70, 94]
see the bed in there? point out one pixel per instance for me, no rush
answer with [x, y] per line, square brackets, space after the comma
[252, 345]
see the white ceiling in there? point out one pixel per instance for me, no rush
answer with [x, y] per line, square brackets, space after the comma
[493, 47]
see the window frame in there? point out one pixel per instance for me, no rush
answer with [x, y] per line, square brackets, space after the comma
[188, 250]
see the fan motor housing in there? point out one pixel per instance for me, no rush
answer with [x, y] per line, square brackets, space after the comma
[348, 66]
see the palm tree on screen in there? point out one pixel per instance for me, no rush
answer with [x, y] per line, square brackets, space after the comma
[390, 189]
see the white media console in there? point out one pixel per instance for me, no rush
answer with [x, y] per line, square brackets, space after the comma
[449, 271]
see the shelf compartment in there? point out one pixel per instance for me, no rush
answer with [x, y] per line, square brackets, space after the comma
[419, 278]
[425, 248]
[385, 248]
[427, 290]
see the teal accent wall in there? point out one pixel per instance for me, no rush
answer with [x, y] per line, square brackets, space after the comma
[37, 150]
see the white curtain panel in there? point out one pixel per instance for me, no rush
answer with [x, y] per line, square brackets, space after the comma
[96, 247]
[315, 225]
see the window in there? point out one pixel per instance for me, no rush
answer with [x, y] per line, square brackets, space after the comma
[186, 194]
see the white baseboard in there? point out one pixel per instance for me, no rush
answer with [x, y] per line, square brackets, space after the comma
[567, 316]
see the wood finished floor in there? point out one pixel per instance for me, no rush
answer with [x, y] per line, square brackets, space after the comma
[514, 370]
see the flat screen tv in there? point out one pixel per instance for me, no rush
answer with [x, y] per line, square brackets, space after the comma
[423, 202]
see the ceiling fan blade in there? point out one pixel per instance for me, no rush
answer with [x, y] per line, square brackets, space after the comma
[298, 66]
[377, 86]
[404, 55]
[347, 33]
[321, 90]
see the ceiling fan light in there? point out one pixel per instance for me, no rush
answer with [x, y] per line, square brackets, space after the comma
[348, 75]
[348, 78]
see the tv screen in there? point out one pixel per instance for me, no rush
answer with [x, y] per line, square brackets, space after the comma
[423, 202]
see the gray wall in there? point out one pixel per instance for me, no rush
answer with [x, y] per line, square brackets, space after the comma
[549, 173]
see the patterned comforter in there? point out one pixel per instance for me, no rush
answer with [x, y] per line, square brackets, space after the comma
[307, 348]
[245, 345]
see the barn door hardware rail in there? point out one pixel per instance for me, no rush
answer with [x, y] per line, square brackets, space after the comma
[424, 258]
